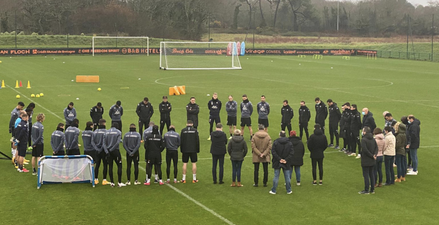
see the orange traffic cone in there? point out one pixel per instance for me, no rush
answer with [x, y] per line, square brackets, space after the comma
[28, 84]
[21, 84]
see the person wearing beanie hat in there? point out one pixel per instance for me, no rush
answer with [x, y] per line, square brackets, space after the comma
[299, 151]
[96, 114]
[116, 113]
[131, 144]
[69, 114]
[172, 142]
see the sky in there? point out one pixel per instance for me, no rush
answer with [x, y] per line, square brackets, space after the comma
[419, 2]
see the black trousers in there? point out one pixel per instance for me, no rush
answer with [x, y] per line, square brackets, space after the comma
[135, 159]
[354, 141]
[101, 157]
[171, 155]
[369, 175]
[158, 169]
[95, 125]
[333, 131]
[314, 163]
[164, 122]
[141, 125]
[286, 125]
[116, 157]
[119, 125]
[213, 120]
[256, 173]
[29, 141]
[304, 126]
[215, 160]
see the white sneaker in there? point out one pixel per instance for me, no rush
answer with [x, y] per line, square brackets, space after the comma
[298, 183]
[122, 185]
[358, 156]
[413, 173]
[273, 193]
[208, 138]
[137, 182]
[352, 154]
[230, 137]
[290, 192]
[128, 183]
[112, 184]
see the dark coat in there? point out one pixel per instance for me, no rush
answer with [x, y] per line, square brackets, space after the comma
[153, 146]
[304, 115]
[282, 149]
[369, 150]
[237, 148]
[321, 113]
[190, 140]
[369, 121]
[317, 144]
[219, 142]
[355, 125]
[287, 114]
[414, 130]
[299, 151]
[144, 111]
[334, 114]
[345, 123]
[192, 113]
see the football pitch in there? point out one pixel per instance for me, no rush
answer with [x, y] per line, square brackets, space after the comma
[399, 86]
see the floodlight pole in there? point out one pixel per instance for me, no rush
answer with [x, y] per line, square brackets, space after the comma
[432, 37]
[338, 16]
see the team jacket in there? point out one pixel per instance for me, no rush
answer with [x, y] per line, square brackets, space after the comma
[96, 114]
[144, 111]
[192, 113]
[263, 109]
[231, 108]
[165, 109]
[22, 133]
[153, 146]
[147, 132]
[334, 114]
[214, 106]
[131, 142]
[172, 140]
[57, 141]
[246, 109]
[72, 136]
[111, 140]
[345, 121]
[190, 141]
[87, 140]
[37, 133]
[116, 113]
[14, 116]
[287, 114]
[97, 140]
[355, 121]
[69, 115]
[321, 113]
[304, 114]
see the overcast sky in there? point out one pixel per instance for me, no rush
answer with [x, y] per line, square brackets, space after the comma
[419, 2]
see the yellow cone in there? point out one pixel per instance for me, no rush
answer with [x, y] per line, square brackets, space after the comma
[28, 84]
[16, 84]
[3, 83]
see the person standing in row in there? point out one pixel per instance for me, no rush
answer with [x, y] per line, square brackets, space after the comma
[192, 110]
[69, 114]
[246, 113]
[72, 138]
[345, 126]
[237, 149]
[57, 141]
[354, 129]
[282, 152]
[299, 152]
[131, 144]
[413, 142]
[172, 142]
[389, 155]
[87, 136]
[97, 140]
[116, 113]
[30, 112]
[218, 151]
[144, 111]
[111, 147]
[96, 113]
[304, 117]
[370, 151]
[287, 115]
[190, 147]
[214, 106]
[21, 135]
[379, 139]
[334, 119]
[261, 147]
[317, 144]
[37, 141]
[231, 109]
[15, 114]
[263, 109]
[321, 113]
[368, 120]
[165, 109]
[153, 148]
[401, 143]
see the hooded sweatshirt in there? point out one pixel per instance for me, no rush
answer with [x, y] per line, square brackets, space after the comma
[37, 133]
[116, 112]
[57, 141]
[72, 136]
[214, 106]
[172, 140]
[317, 144]
[219, 142]
[131, 141]
[237, 148]
[261, 144]
[86, 139]
[379, 138]
[246, 109]
[401, 139]
[299, 151]
[97, 140]
[231, 108]
[69, 115]
[263, 109]
[111, 140]
[390, 142]
[282, 149]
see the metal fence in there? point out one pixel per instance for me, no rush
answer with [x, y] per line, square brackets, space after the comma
[423, 56]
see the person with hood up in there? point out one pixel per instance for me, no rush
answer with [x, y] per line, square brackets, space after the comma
[379, 139]
[282, 152]
[237, 149]
[370, 151]
[317, 144]
[218, 151]
[116, 113]
[401, 142]
[261, 147]
[299, 151]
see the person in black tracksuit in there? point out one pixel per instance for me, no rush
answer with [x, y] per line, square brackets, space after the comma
[321, 113]
[317, 144]
[190, 147]
[165, 114]
[355, 128]
[96, 114]
[345, 124]
[214, 106]
[304, 117]
[287, 115]
[192, 110]
[144, 111]
[30, 111]
[334, 118]
[153, 154]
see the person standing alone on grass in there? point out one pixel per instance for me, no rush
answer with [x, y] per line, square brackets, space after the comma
[287, 115]
[165, 114]
[413, 142]
[37, 141]
[231, 108]
[190, 147]
[401, 161]
[192, 110]
[389, 155]
[116, 113]
[111, 147]
[153, 148]
[261, 147]
[214, 106]
[345, 124]
[131, 144]
[218, 151]
[246, 113]
[354, 136]
[317, 144]
[263, 109]
[304, 117]
[21, 135]
[379, 139]
[321, 113]
[299, 151]
[282, 152]
[237, 149]
[97, 140]
[144, 112]
[172, 142]
[370, 151]
[96, 114]
[69, 114]
[334, 119]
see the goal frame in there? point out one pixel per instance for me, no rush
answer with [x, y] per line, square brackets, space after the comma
[235, 53]
[121, 37]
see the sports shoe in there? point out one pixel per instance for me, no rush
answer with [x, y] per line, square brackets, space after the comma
[25, 163]
[128, 183]
[25, 160]
[290, 192]
[330, 145]
[175, 181]
[314, 183]
[137, 182]
[194, 181]
[112, 184]
[221, 182]
[298, 183]
[363, 192]
[13, 160]
[156, 181]
[352, 154]
[343, 149]
[265, 185]
[230, 138]
[25, 170]
[358, 156]
[161, 183]
[337, 147]
[402, 178]
[394, 165]
[271, 192]
[19, 170]
[321, 183]
[183, 181]
[122, 185]
[397, 180]
[105, 182]
[147, 183]
[208, 138]
[413, 173]
[255, 185]
[372, 192]
[96, 181]
[34, 173]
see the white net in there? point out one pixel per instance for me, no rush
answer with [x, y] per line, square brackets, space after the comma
[69, 169]
[199, 55]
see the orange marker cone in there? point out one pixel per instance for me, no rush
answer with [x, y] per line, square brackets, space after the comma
[28, 84]
[21, 84]
[3, 83]
[16, 84]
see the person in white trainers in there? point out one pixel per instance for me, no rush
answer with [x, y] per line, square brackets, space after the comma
[131, 143]
[413, 142]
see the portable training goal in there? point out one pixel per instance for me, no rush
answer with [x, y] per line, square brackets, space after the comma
[200, 55]
[99, 42]
[65, 169]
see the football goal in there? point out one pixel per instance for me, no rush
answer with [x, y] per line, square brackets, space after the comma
[100, 43]
[199, 56]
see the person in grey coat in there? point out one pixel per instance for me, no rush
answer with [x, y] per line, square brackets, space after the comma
[131, 143]
[37, 141]
[69, 114]
[237, 149]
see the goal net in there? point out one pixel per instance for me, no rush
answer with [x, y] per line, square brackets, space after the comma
[129, 45]
[65, 169]
[199, 55]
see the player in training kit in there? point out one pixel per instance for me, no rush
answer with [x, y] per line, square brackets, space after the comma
[345, 123]
[304, 117]
[131, 143]
[72, 138]
[57, 141]
[15, 114]
[97, 140]
[287, 115]
[321, 113]
[232, 109]
[37, 141]
[172, 142]
[96, 114]
[246, 113]
[144, 111]
[192, 112]
[334, 119]
[69, 114]
[87, 136]
[30, 112]
[116, 113]
[153, 156]
[355, 128]
[21, 135]
[190, 147]
[111, 147]
[147, 133]
[263, 109]
[165, 114]
[214, 106]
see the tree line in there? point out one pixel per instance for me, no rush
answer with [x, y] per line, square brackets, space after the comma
[190, 19]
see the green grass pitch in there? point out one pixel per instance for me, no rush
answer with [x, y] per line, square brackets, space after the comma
[399, 86]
